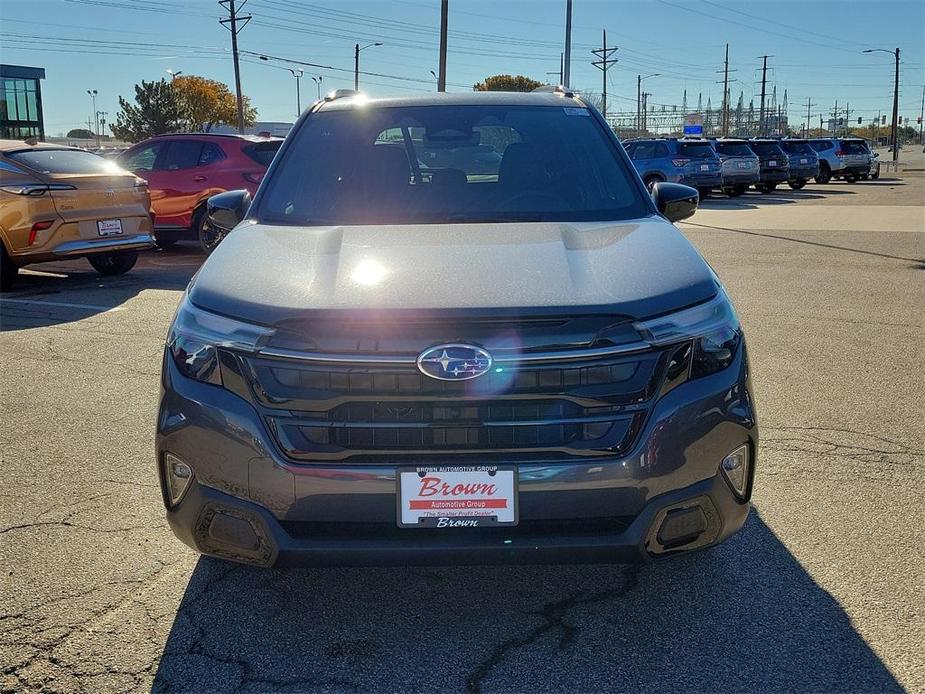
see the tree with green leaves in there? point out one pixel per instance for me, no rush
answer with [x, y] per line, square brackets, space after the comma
[507, 83]
[156, 111]
[80, 134]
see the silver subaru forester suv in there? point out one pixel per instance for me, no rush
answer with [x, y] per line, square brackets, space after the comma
[398, 358]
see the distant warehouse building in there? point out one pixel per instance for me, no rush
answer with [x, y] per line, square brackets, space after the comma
[21, 102]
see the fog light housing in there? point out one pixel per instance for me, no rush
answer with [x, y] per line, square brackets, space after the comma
[177, 479]
[735, 467]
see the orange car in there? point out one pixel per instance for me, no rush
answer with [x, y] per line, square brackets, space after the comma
[60, 202]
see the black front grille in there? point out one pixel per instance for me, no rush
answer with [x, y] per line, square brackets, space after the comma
[331, 412]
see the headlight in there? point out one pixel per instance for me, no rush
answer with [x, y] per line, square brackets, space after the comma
[713, 326]
[196, 335]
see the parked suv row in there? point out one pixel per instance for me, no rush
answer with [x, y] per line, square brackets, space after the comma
[732, 164]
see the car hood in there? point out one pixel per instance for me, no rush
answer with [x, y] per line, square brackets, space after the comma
[265, 274]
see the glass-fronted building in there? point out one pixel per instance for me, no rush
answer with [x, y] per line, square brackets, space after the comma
[21, 102]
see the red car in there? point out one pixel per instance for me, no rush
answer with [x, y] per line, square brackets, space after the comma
[183, 171]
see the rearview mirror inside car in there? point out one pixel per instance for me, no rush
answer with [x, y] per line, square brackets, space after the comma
[226, 210]
[674, 200]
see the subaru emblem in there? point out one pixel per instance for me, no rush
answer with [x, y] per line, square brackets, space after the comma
[454, 362]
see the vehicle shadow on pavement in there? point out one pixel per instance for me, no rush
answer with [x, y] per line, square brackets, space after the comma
[743, 616]
[752, 201]
[68, 291]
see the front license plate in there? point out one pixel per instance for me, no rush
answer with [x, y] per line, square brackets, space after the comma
[773, 162]
[743, 165]
[804, 161]
[109, 227]
[704, 167]
[457, 497]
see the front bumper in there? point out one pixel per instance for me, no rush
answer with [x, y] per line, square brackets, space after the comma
[248, 503]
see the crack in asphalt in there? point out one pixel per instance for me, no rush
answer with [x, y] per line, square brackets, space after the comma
[833, 442]
[554, 616]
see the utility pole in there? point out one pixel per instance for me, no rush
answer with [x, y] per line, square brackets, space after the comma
[726, 93]
[809, 106]
[604, 61]
[764, 80]
[639, 104]
[835, 120]
[567, 68]
[922, 118]
[231, 22]
[444, 14]
[895, 129]
[726, 105]
[847, 118]
[645, 115]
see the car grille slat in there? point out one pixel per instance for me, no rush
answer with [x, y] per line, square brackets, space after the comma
[370, 412]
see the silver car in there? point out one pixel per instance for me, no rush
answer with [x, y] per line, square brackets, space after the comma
[844, 158]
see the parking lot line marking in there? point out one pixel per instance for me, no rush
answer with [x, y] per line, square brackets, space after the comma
[61, 304]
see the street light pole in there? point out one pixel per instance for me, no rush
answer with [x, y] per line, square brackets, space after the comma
[297, 73]
[640, 109]
[96, 116]
[894, 129]
[356, 63]
[317, 81]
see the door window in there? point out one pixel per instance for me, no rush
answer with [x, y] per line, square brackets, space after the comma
[141, 159]
[210, 154]
[182, 154]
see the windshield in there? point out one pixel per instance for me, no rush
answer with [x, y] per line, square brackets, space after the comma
[65, 161]
[765, 149]
[797, 148]
[458, 164]
[696, 150]
[734, 149]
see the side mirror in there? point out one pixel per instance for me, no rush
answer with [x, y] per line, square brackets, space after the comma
[226, 210]
[674, 200]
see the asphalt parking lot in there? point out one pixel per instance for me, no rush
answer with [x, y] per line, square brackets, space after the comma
[822, 591]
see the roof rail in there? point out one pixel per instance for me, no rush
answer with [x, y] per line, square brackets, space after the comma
[341, 94]
[555, 89]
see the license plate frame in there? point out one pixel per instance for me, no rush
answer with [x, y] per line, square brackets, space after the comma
[772, 162]
[109, 227]
[454, 512]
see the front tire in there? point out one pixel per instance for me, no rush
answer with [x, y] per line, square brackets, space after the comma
[875, 176]
[650, 181]
[825, 174]
[851, 178]
[797, 184]
[8, 270]
[209, 236]
[111, 264]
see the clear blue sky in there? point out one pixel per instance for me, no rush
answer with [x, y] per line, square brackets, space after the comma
[109, 45]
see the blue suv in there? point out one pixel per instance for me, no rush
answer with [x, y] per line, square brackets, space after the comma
[804, 162]
[740, 165]
[688, 161]
[773, 162]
